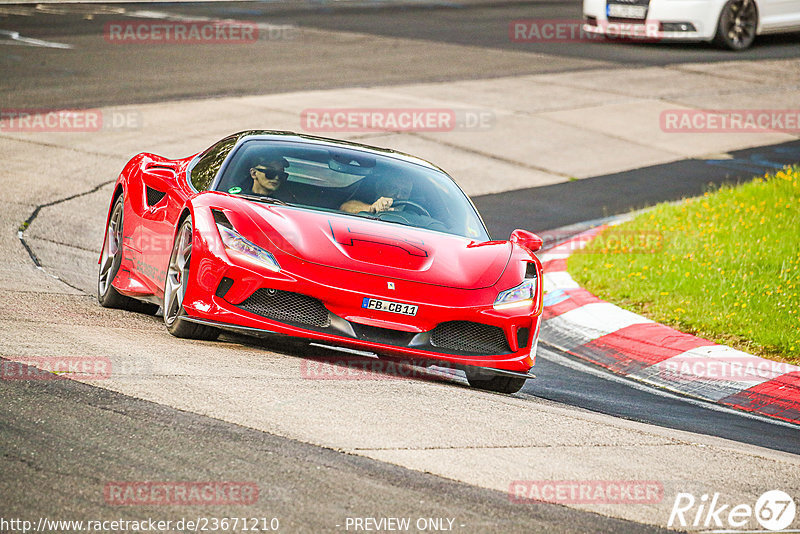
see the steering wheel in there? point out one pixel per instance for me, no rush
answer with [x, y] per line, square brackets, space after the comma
[414, 205]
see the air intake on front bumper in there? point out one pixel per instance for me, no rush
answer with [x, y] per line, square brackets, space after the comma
[466, 336]
[287, 307]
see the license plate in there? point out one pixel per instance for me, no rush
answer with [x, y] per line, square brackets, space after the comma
[389, 306]
[626, 12]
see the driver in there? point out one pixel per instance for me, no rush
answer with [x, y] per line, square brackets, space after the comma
[388, 190]
[268, 175]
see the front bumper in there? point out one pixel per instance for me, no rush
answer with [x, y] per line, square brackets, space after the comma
[521, 332]
[231, 295]
[256, 332]
[700, 17]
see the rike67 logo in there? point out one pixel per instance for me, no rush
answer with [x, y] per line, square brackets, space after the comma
[775, 511]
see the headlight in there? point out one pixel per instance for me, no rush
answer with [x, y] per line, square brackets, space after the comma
[522, 295]
[235, 242]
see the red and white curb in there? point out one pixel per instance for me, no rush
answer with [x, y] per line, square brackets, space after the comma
[628, 344]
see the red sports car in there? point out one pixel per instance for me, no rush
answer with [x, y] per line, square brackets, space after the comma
[340, 243]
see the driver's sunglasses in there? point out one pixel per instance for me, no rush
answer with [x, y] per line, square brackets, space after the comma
[273, 174]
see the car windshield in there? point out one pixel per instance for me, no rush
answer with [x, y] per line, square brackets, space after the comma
[350, 181]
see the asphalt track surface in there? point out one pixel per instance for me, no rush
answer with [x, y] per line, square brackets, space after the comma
[66, 422]
[100, 73]
[486, 24]
[63, 441]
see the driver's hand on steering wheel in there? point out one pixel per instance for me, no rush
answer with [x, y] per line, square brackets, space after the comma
[382, 204]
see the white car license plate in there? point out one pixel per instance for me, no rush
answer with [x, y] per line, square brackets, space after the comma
[627, 12]
[389, 306]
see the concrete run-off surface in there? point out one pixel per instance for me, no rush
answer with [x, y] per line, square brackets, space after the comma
[546, 129]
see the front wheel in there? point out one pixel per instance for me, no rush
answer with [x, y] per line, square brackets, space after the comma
[480, 379]
[175, 289]
[738, 21]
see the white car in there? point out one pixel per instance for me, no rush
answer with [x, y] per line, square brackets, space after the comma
[730, 23]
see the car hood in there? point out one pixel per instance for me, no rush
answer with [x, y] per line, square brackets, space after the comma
[383, 249]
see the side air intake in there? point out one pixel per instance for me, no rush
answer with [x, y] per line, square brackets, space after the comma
[154, 196]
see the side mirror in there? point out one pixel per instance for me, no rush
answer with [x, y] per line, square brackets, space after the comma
[527, 239]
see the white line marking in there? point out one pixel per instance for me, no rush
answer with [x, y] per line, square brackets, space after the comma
[597, 319]
[175, 17]
[17, 39]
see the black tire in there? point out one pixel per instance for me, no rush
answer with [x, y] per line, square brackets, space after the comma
[487, 381]
[738, 22]
[110, 261]
[175, 288]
